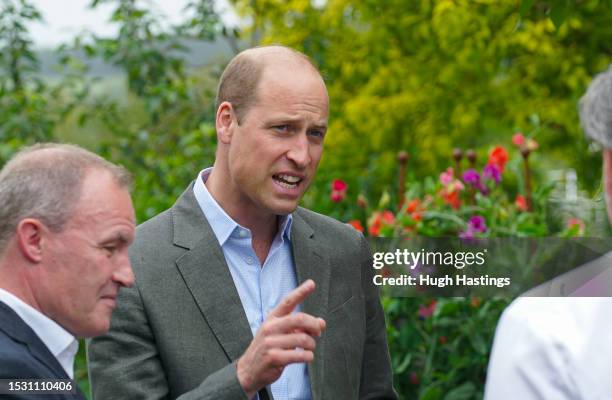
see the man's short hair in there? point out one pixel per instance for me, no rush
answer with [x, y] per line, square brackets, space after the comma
[238, 83]
[44, 181]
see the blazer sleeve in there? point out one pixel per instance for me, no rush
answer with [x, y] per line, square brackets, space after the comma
[126, 364]
[376, 373]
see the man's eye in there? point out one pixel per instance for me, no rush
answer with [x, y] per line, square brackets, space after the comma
[281, 128]
[110, 250]
[317, 133]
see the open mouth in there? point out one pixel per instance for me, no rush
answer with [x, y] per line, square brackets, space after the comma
[287, 181]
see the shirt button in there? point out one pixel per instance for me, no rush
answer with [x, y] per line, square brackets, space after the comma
[249, 260]
[243, 233]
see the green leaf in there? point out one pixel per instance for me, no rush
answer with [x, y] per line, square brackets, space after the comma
[524, 7]
[558, 12]
[431, 393]
[463, 392]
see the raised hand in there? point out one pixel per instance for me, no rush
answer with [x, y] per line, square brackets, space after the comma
[282, 339]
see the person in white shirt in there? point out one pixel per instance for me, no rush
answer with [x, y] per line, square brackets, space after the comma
[66, 223]
[561, 347]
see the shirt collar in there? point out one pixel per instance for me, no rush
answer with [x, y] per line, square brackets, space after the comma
[60, 342]
[222, 224]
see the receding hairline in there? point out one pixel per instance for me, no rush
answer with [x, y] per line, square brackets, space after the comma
[46, 154]
[241, 80]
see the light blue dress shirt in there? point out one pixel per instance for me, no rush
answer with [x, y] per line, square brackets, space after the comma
[260, 288]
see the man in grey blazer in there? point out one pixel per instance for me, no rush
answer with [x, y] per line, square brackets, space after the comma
[239, 292]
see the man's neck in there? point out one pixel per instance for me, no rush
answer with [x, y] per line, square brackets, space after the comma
[262, 224]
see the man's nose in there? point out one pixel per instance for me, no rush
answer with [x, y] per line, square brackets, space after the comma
[300, 151]
[124, 274]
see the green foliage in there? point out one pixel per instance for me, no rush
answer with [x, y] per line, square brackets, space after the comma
[440, 348]
[166, 133]
[30, 109]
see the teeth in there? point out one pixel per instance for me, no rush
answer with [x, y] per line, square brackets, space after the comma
[286, 185]
[289, 178]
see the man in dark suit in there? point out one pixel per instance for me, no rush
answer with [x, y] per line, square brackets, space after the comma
[225, 304]
[67, 220]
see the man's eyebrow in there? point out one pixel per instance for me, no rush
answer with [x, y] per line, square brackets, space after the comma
[120, 237]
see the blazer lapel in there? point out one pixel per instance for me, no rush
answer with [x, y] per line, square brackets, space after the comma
[206, 274]
[16, 328]
[309, 264]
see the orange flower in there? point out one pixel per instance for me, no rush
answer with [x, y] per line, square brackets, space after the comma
[499, 157]
[355, 223]
[520, 202]
[416, 216]
[378, 219]
[412, 206]
[451, 197]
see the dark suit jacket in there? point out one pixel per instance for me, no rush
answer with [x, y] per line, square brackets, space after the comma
[180, 330]
[24, 356]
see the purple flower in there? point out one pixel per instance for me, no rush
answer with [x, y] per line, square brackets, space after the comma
[477, 223]
[492, 172]
[467, 234]
[471, 177]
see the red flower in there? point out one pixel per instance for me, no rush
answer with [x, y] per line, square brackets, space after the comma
[499, 157]
[414, 378]
[416, 216]
[338, 193]
[520, 202]
[427, 311]
[355, 223]
[443, 340]
[339, 185]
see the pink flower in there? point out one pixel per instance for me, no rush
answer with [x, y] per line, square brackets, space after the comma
[446, 177]
[427, 311]
[338, 193]
[518, 139]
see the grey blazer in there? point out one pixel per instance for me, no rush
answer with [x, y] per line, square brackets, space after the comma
[180, 330]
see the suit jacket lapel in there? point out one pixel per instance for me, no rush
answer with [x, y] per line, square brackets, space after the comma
[16, 328]
[206, 274]
[309, 264]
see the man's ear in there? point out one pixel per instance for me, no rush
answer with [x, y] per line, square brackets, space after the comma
[225, 122]
[30, 236]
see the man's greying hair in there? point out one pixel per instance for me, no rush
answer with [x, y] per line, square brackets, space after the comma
[595, 109]
[44, 181]
[238, 83]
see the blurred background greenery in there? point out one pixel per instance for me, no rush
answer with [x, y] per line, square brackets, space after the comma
[423, 77]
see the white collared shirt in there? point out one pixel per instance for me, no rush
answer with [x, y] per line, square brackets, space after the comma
[552, 348]
[60, 342]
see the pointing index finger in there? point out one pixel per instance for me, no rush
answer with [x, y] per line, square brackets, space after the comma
[295, 297]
